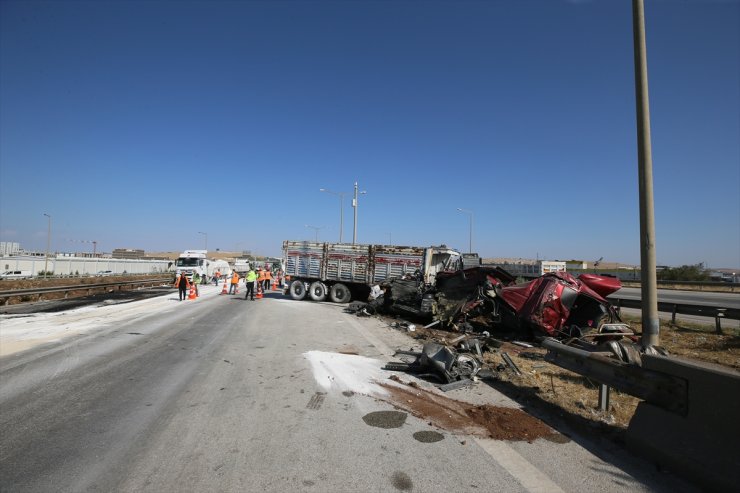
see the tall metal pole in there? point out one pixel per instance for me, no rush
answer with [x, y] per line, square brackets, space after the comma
[341, 209]
[316, 230]
[470, 240]
[650, 320]
[48, 243]
[354, 205]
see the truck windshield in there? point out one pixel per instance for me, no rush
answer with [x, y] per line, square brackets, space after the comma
[188, 262]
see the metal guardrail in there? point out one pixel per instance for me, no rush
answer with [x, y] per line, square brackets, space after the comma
[715, 312]
[39, 292]
[667, 391]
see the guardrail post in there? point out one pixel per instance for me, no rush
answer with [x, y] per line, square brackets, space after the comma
[603, 397]
[718, 320]
[673, 315]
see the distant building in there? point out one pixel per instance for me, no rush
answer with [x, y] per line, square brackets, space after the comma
[128, 253]
[528, 268]
[8, 248]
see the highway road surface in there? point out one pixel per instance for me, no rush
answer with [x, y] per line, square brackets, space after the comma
[274, 395]
[720, 300]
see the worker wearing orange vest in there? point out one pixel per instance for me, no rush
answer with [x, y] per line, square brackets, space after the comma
[260, 278]
[182, 284]
[234, 283]
[268, 279]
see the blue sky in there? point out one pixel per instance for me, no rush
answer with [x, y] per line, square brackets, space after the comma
[140, 124]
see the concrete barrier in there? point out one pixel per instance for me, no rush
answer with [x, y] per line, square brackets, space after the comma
[704, 444]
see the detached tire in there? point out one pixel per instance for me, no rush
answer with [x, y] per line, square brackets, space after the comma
[339, 293]
[317, 291]
[297, 290]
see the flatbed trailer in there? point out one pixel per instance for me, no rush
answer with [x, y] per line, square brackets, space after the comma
[345, 271]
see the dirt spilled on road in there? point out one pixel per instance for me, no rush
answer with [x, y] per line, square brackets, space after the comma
[499, 423]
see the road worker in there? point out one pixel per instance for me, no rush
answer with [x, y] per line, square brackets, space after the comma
[182, 284]
[268, 279]
[249, 280]
[234, 283]
[260, 278]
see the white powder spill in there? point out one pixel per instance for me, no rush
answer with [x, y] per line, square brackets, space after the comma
[343, 372]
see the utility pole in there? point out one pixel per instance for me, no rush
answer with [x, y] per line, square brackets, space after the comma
[650, 320]
[354, 205]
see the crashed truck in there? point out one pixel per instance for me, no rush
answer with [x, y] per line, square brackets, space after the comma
[343, 272]
[484, 298]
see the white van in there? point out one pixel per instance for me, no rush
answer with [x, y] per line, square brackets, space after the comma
[16, 274]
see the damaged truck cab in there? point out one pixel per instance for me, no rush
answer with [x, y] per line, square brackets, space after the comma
[343, 271]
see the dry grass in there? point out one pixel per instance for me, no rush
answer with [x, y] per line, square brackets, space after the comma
[546, 386]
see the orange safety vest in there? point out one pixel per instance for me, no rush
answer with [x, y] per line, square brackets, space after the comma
[177, 281]
[268, 274]
[235, 278]
[261, 276]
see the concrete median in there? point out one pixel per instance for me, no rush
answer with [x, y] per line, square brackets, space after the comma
[701, 445]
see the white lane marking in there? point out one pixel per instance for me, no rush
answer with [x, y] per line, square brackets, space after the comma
[520, 468]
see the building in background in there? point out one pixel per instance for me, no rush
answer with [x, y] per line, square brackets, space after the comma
[129, 253]
[8, 248]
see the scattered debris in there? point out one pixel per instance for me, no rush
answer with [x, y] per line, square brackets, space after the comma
[486, 299]
[511, 363]
[444, 363]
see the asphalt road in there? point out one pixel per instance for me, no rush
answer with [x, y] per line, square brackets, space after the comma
[725, 300]
[720, 300]
[218, 394]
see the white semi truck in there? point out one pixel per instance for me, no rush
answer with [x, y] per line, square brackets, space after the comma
[191, 262]
[343, 271]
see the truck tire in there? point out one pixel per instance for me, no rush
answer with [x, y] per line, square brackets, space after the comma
[297, 290]
[317, 291]
[339, 293]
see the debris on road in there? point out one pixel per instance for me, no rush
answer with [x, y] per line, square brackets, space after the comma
[487, 300]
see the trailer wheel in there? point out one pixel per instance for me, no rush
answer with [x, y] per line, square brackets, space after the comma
[339, 293]
[297, 290]
[317, 291]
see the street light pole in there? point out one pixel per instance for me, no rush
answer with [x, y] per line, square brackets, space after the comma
[354, 205]
[316, 230]
[470, 241]
[206, 235]
[341, 209]
[48, 243]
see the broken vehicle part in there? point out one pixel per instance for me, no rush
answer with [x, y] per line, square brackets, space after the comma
[511, 363]
[440, 362]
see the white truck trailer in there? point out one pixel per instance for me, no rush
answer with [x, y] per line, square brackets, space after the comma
[343, 271]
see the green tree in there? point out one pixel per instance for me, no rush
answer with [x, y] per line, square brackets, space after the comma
[684, 273]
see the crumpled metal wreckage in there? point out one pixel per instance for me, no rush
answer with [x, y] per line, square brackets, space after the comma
[454, 368]
[571, 309]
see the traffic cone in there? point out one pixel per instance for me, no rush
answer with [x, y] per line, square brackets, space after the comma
[192, 294]
[259, 291]
[274, 284]
[224, 291]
